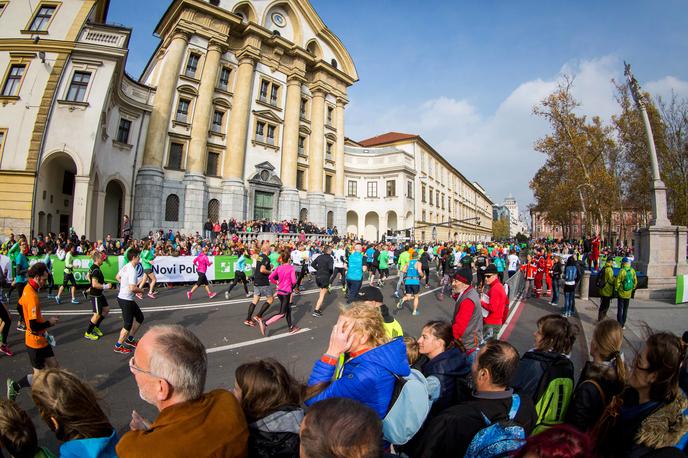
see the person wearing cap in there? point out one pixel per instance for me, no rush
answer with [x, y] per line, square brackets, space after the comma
[494, 302]
[467, 321]
[623, 291]
[371, 295]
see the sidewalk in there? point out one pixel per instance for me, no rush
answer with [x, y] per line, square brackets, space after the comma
[657, 314]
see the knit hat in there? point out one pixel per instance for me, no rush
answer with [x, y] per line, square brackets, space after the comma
[491, 269]
[464, 275]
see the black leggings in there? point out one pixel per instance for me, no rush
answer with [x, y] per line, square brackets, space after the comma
[299, 278]
[5, 318]
[20, 290]
[341, 271]
[238, 277]
[426, 272]
[284, 311]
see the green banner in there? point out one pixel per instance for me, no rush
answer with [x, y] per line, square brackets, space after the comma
[81, 265]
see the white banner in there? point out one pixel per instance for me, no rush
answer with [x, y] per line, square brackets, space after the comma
[179, 269]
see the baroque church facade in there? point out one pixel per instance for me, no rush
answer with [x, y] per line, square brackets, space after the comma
[239, 113]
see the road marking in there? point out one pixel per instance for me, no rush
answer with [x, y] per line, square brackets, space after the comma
[518, 301]
[254, 341]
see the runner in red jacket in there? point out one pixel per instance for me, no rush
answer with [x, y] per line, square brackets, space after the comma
[549, 263]
[539, 274]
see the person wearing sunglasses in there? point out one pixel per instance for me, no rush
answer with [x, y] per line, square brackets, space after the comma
[494, 302]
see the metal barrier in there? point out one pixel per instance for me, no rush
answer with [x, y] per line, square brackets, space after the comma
[514, 286]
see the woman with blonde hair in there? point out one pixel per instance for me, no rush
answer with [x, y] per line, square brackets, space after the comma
[601, 379]
[70, 409]
[374, 362]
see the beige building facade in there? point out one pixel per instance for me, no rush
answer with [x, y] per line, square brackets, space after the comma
[446, 205]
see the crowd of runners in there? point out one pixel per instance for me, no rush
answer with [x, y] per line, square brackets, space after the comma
[456, 389]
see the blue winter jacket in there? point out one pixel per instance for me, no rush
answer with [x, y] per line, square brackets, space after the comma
[99, 447]
[368, 378]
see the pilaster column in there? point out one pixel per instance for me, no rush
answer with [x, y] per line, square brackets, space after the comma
[238, 121]
[100, 217]
[290, 141]
[316, 144]
[80, 204]
[289, 197]
[162, 104]
[204, 106]
[339, 148]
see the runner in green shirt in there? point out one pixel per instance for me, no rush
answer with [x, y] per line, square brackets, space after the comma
[147, 256]
[274, 257]
[404, 259]
[383, 265]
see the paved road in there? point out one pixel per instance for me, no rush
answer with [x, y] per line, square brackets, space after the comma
[218, 323]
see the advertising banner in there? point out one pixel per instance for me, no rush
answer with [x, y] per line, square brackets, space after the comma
[172, 269]
[681, 289]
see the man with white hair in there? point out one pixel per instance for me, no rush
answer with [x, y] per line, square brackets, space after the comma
[170, 366]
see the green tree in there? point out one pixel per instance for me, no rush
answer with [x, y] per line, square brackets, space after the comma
[500, 229]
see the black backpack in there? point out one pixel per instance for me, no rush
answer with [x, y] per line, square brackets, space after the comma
[599, 281]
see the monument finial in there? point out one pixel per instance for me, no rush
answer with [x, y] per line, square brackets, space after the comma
[634, 86]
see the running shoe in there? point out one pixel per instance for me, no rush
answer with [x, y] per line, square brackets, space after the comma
[396, 295]
[427, 286]
[4, 348]
[21, 327]
[226, 295]
[416, 313]
[74, 300]
[294, 329]
[249, 295]
[343, 289]
[329, 289]
[188, 295]
[151, 295]
[58, 300]
[211, 295]
[97, 331]
[249, 323]
[11, 391]
[91, 336]
[131, 342]
[122, 349]
[317, 313]
[139, 296]
[400, 304]
[261, 324]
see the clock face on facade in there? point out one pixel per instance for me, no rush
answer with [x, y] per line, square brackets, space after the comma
[265, 175]
[278, 19]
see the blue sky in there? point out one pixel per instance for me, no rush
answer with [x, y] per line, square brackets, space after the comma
[465, 74]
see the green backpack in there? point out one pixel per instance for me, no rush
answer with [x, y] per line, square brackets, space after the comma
[554, 392]
[628, 282]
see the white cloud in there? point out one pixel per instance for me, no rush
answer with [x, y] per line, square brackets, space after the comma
[497, 149]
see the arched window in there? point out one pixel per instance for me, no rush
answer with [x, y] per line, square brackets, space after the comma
[172, 208]
[214, 210]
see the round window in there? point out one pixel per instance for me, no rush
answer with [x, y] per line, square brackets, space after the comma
[278, 19]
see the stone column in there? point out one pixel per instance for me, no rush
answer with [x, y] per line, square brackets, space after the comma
[289, 197]
[204, 107]
[162, 104]
[149, 178]
[100, 217]
[316, 197]
[80, 204]
[233, 189]
[196, 189]
[339, 197]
